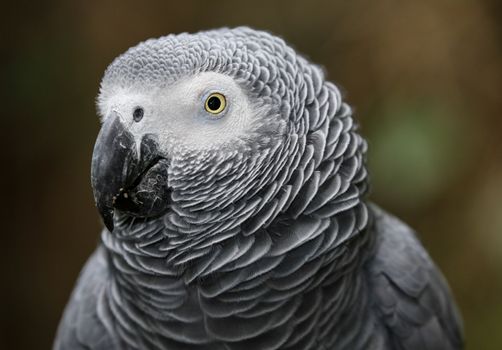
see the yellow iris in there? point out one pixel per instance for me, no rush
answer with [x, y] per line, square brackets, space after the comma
[215, 103]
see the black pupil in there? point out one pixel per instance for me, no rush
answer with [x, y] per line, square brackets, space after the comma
[137, 114]
[214, 103]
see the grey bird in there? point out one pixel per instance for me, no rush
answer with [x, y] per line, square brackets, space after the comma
[231, 179]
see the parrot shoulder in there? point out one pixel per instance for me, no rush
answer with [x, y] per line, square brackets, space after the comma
[409, 293]
[84, 323]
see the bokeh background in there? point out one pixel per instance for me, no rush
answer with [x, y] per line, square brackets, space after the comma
[424, 77]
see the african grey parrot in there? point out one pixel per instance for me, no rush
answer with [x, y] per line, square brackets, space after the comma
[231, 180]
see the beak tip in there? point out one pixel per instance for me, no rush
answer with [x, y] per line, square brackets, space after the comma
[109, 225]
[107, 217]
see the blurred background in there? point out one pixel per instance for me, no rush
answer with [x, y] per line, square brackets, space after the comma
[424, 77]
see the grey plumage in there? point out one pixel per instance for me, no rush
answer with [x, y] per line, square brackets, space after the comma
[263, 238]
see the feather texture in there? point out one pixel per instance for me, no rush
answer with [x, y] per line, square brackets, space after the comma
[268, 242]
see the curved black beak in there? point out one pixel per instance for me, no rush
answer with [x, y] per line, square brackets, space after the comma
[124, 180]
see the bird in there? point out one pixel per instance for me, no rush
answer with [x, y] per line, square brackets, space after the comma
[231, 179]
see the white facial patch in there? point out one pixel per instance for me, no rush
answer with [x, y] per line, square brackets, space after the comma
[177, 113]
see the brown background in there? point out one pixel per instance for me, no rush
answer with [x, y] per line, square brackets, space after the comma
[425, 79]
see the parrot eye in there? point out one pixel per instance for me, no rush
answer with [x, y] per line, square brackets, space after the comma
[215, 103]
[137, 114]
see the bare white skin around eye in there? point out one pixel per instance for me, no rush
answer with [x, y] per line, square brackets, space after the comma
[177, 114]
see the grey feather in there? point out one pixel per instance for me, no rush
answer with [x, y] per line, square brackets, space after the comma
[86, 323]
[266, 240]
[410, 295]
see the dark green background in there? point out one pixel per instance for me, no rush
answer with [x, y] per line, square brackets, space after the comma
[424, 77]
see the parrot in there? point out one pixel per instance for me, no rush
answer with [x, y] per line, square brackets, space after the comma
[231, 179]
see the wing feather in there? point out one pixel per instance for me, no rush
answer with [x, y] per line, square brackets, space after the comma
[84, 324]
[410, 295]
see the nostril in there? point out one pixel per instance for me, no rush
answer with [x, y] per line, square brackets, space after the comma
[137, 114]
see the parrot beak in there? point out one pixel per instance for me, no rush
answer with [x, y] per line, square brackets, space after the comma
[124, 180]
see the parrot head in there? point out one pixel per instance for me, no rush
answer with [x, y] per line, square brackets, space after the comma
[218, 133]
[189, 124]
